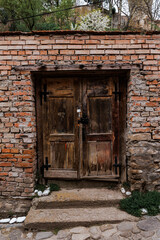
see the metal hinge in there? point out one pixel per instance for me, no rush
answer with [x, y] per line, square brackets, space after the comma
[45, 166]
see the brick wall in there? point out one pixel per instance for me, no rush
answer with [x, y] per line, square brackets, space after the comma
[17, 104]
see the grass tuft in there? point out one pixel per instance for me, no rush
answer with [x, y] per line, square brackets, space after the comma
[138, 200]
[54, 187]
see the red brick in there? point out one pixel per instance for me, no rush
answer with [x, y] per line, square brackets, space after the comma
[155, 99]
[5, 150]
[5, 164]
[152, 104]
[14, 150]
[139, 98]
[23, 165]
[3, 174]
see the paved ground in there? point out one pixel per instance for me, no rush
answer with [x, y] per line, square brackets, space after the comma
[145, 228]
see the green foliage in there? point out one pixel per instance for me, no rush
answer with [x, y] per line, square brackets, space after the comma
[63, 19]
[46, 26]
[40, 187]
[20, 9]
[138, 200]
[54, 187]
[55, 231]
[126, 185]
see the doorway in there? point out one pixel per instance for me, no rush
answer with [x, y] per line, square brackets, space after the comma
[81, 130]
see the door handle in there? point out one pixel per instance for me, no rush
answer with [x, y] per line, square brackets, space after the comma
[84, 119]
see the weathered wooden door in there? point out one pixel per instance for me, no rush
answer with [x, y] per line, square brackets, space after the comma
[80, 127]
[101, 132]
[60, 130]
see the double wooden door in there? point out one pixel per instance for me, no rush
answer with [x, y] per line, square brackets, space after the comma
[80, 127]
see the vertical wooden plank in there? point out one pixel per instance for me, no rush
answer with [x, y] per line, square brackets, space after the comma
[70, 156]
[115, 120]
[85, 160]
[45, 112]
[77, 105]
[92, 158]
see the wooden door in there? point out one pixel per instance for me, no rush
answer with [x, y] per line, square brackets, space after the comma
[80, 127]
[60, 153]
[101, 133]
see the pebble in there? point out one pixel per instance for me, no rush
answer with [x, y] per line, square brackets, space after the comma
[5, 220]
[82, 236]
[63, 234]
[13, 220]
[149, 224]
[39, 193]
[46, 192]
[126, 226]
[128, 193]
[123, 190]
[144, 211]
[109, 233]
[95, 232]
[78, 230]
[20, 219]
[43, 235]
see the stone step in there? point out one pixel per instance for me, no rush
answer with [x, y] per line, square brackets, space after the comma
[71, 217]
[79, 198]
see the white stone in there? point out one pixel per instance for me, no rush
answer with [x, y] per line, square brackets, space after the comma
[39, 193]
[123, 190]
[20, 219]
[36, 191]
[29, 235]
[46, 192]
[5, 220]
[144, 211]
[13, 220]
[128, 193]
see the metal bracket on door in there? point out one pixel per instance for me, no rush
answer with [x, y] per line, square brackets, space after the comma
[117, 165]
[83, 119]
[116, 93]
[44, 93]
[45, 166]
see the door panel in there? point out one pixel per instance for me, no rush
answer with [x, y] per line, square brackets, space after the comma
[99, 157]
[59, 127]
[62, 155]
[100, 115]
[61, 115]
[102, 110]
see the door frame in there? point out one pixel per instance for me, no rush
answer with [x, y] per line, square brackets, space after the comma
[123, 76]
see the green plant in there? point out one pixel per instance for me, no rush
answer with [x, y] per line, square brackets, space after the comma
[54, 187]
[55, 231]
[40, 187]
[138, 200]
[126, 185]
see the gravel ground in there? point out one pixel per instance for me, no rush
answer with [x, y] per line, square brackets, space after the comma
[145, 228]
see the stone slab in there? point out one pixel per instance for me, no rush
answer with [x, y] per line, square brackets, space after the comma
[79, 197]
[72, 217]
[149, 224]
